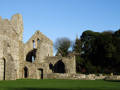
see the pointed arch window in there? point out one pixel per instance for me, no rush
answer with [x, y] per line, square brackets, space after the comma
[33, 43]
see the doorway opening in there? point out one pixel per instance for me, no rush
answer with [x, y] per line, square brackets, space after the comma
[59, 67]
[4, 69]
[25, 72]
[40, 73]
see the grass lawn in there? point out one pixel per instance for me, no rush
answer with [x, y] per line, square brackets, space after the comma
[54, 84]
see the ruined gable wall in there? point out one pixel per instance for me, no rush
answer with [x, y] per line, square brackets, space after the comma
[44, 47]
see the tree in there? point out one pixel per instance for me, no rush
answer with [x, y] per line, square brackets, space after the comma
[98, 52]
[79, 60]
[77, 46]
[62, 46]
[116, 55]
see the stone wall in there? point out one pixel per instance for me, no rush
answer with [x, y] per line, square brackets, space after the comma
[75, 76]
[113, 77]
[10, 52]
[9, 47]
[69, 62]
[33, 59]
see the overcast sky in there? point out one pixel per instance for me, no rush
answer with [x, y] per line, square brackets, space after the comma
[63, 18]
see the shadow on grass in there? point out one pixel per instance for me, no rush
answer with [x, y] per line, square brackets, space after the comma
[112, 80]
[54, 89]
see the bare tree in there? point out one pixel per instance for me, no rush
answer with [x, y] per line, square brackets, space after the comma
[62, 46]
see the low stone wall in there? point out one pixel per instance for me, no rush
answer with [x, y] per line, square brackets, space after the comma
[114, 77]
[75, 76]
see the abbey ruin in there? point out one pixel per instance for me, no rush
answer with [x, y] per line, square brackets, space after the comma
[33, 59]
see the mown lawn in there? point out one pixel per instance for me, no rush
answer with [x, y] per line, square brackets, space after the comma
[54, 84]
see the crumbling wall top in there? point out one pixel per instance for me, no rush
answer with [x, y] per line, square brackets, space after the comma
[0, 18]
[17, 22]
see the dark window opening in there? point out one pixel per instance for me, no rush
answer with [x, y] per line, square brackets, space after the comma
[30, 57]
[38, 40]
[33, 44]
[51, 67]
[25, 72]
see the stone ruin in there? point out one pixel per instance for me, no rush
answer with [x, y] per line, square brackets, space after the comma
[33, 59]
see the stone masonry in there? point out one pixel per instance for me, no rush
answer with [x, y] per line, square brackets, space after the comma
[33, 59]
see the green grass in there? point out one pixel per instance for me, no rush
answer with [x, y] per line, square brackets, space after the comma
[54, 84]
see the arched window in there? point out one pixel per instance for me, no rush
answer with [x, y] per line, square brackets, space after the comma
[33, 44]
[31, 55]
[38, 40]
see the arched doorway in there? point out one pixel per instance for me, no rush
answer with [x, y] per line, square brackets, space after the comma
[25, 72]
[2, 69]
[59, 67]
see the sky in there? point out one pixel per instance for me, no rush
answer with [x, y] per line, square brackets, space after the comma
[63, 18]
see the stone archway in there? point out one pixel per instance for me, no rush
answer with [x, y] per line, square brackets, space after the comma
[7, 68]
[59, 67]
[2, 69]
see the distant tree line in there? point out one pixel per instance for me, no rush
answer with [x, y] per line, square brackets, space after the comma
[95, 52]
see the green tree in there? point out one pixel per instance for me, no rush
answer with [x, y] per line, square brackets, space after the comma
[98, 50]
